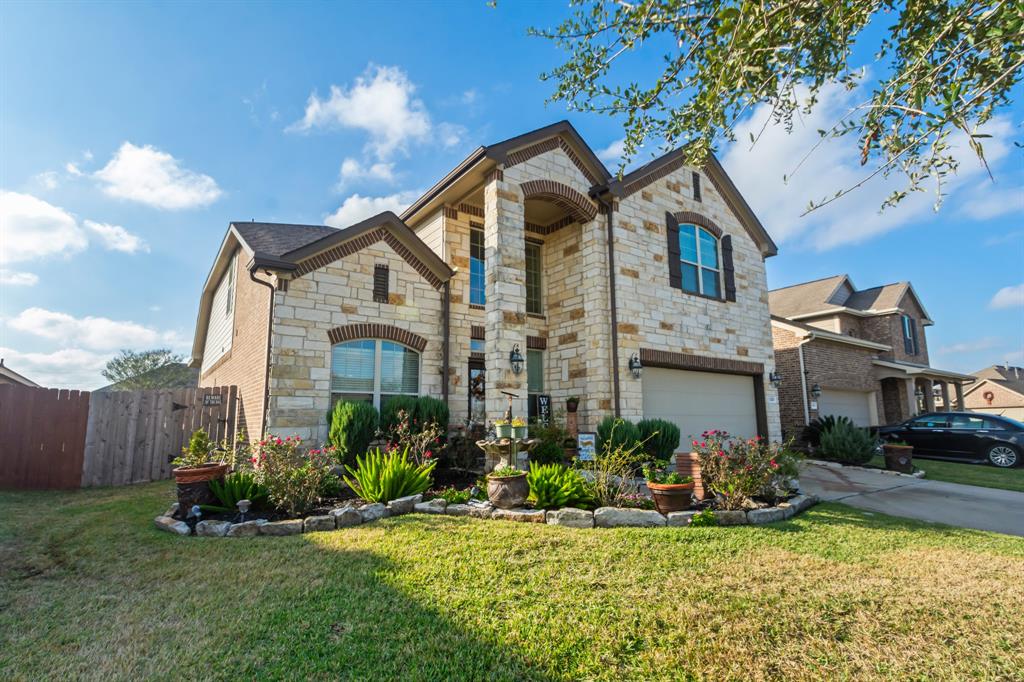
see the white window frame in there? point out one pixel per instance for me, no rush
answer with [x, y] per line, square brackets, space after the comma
[483, 262]
[378, 354]
[699, 265]
[540, 277]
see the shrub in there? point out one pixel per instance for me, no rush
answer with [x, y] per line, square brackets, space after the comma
[553, 437]
[554, 485]
[237, 485]
[431, 411]
[294, 481]
[611, 472]
[197, 452]
[353, 428]
[385, 476]
[421, 441]
[661, 438]
[737, 470]
[615, 432]
[812, 432]
[389, 411]
[847, 444]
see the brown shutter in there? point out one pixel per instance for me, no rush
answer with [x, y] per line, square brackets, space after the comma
[728, 273]
[381, 281]
[675, 276]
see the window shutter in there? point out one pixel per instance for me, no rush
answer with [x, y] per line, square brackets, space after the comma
[728, 273]
[675, 277]
[381, 280]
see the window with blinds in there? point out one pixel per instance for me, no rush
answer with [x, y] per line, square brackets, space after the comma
[373, 371]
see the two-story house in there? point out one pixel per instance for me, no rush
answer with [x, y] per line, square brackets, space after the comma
[527, 270]
[857, 353]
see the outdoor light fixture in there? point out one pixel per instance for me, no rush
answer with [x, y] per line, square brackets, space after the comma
[815, 391]
[919, 393]
[635, 367]
[515, 358]
[775, 378]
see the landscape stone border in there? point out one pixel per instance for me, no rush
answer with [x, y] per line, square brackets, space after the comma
[602, 517]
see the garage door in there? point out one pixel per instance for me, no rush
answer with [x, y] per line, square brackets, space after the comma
[852, 404]
[700, 401]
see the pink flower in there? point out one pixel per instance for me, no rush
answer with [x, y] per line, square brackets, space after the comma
[279, 441]
[253, 459]
[694, 443]
[428, 454]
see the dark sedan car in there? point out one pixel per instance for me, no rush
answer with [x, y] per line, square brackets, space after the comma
[962, 435]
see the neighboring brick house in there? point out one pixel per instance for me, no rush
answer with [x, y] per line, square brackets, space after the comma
[997, 390]
[857, 353]
[508, 253]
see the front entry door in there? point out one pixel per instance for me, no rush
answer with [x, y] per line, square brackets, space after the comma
[477, 392]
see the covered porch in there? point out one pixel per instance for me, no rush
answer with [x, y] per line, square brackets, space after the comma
[909, 389]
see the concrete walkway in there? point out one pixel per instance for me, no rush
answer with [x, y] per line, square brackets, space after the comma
[967, 506]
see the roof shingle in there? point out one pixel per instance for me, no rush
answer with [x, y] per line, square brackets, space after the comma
[277, 239]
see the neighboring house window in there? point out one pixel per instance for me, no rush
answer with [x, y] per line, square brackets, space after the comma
[231, 287]
[373, 371]
[534, 380]
[476, 267]
[533, 281]
[698, 251]
[910, 335]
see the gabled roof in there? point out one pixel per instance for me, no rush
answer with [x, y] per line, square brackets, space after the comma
[277, 239]
[809, 332]
[14, 377]
[1001, 373]
[826, 296]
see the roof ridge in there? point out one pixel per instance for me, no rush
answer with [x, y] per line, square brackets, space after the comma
[810, 281]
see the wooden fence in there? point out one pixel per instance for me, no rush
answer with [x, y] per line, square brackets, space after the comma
[70, 439]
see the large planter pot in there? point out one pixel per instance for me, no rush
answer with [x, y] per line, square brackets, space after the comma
[671, 497]
[572, 405]
[507, 492]
[503, 430]
[521, 432]
[194, 484]
[899, 458]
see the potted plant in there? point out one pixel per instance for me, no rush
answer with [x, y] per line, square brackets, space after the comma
[502, 428]
[671, 491]
[193, 472]
[572, 403]
[899, 456]
[507, 487]
[519, 428]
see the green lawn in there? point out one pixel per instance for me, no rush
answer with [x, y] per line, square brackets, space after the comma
[90, 590]
[971, 474]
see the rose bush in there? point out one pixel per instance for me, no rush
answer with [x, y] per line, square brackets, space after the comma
[294, 480]
[738, 469]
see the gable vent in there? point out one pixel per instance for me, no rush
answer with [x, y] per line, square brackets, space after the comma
[696, 186]
[381, 280]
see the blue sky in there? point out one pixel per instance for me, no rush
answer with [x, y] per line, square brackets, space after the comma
[131, 134]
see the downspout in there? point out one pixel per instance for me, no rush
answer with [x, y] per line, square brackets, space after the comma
[614, 317]
[803, 381]
[446, 333]
[266, 369]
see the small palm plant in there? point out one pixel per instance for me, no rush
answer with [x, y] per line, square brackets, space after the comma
[384, 476]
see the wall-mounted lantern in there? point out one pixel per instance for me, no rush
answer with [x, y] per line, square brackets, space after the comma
[775, 378]
[635, 366]
[815, 391]
[515, 359]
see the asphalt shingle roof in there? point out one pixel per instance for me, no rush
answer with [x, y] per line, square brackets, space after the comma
[813, 297]
[277, 239]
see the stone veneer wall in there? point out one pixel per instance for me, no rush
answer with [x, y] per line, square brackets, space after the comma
[339, 294]
[655, 315]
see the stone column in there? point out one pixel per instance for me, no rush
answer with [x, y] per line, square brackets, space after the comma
[505, 271]
[929, 395]
[944, 387]
[910, 395]
[959, 388]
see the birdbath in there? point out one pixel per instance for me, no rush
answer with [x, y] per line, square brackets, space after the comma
[506, 450]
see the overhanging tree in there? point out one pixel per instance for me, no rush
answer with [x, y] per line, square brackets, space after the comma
[159, 368]
[941, 67]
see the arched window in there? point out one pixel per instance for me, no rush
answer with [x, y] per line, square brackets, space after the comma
[699, 267]
[373, 370]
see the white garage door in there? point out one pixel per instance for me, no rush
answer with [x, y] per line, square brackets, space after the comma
[700, 401]
[852, 404]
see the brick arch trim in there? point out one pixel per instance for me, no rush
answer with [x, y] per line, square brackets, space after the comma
[701, 221]
[367, 330]
[575, 203]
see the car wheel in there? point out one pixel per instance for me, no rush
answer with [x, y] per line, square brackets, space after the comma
[1003, 456]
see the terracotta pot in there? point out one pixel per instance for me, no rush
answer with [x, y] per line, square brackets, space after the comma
[194, 485]
[899, 458]
[671, 497]
[507, 492]
[205, 472]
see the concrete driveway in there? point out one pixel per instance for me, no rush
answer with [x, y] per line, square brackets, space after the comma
[967, 506]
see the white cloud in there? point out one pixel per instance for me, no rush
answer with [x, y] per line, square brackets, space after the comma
[381, 102]
[155, 178]
[352, 170]
[1011, 236]
[989, 202]
[65, 368]
[356, 207]
[1008, 297]
[834, 165]
[974, 346]
[94, 333]
[18, 279]
[450, 134]
[47, 180]
[116, 238]
[613, 152]
[32, 228]
[470, 96]
[73, 169]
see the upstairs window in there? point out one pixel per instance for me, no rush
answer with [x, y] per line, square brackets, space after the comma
[699, 266]
[533, 279]
[373, 371]
[476, 267]
[910, 335]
